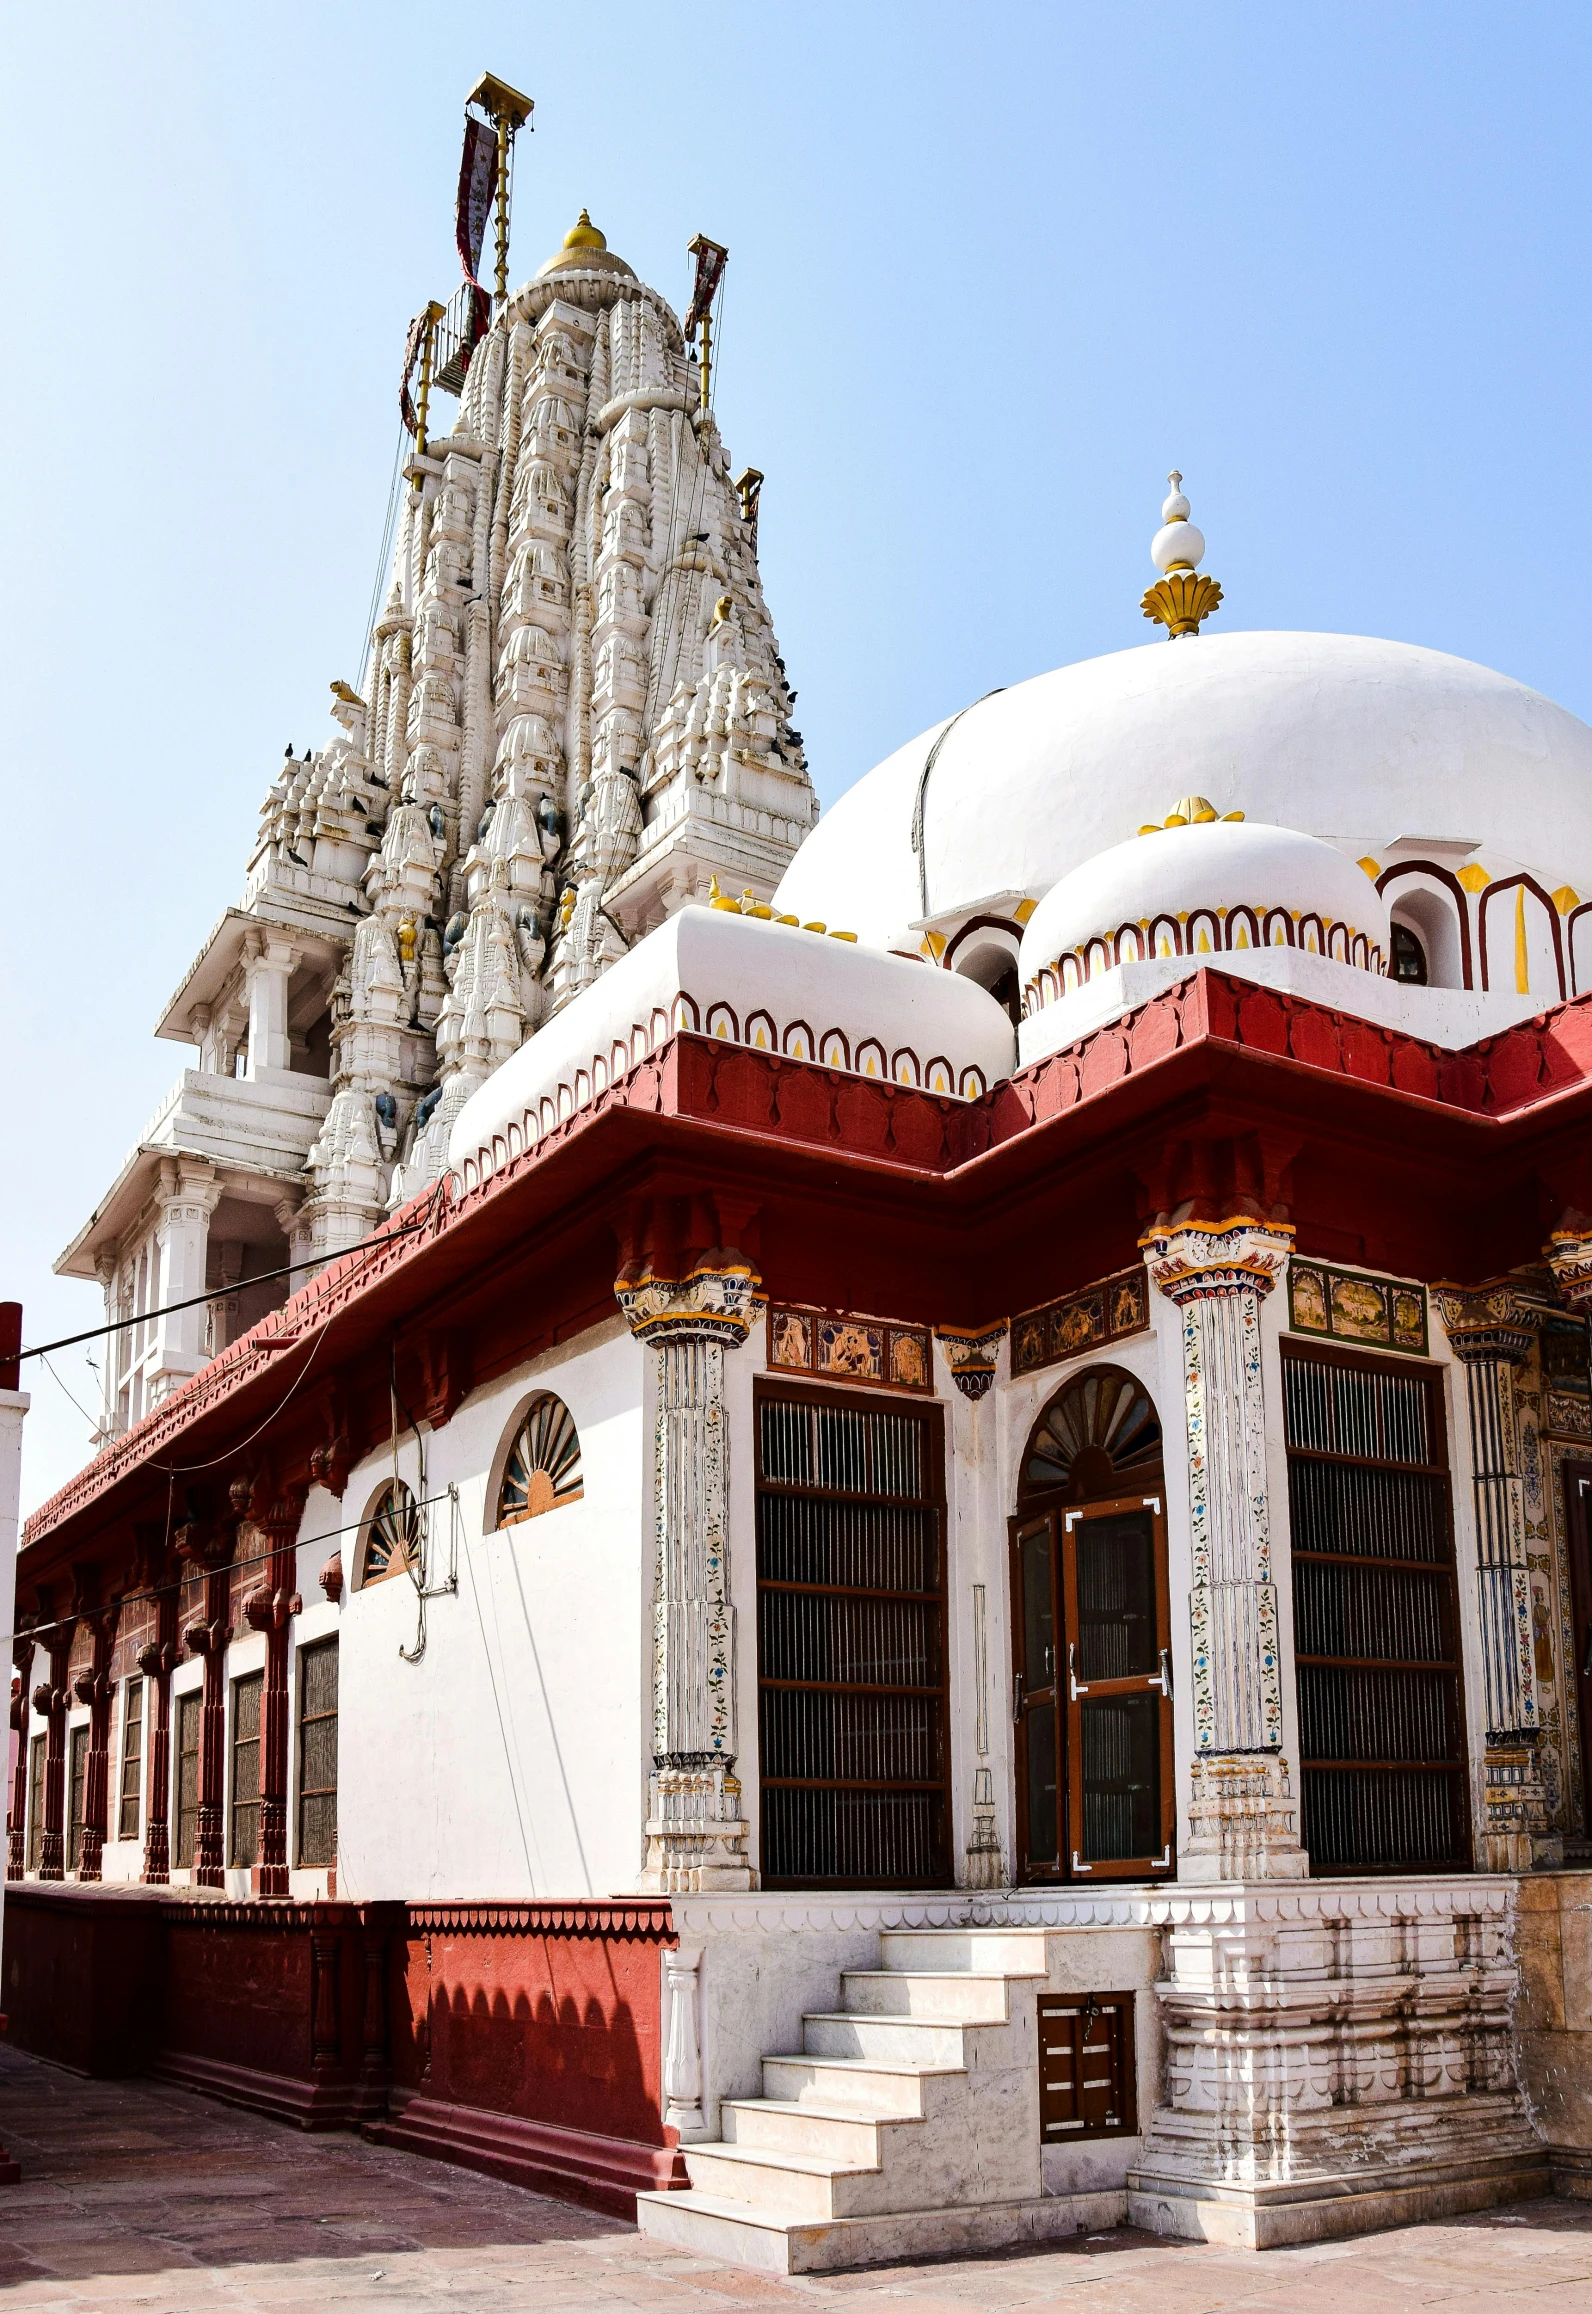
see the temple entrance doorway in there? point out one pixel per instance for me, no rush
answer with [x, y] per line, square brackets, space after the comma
[1091, 1632]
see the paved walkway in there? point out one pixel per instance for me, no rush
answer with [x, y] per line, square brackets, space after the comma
[139, 2196]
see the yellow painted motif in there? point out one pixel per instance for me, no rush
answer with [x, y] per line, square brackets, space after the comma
[1474, 878]
[1565, 899]
[1522, 962]
[1371, 867]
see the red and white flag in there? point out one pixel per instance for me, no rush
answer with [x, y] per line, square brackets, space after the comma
[478, 170]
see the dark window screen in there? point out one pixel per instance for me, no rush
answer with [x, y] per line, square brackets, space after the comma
[77, 1773]
[36, 1759]
[132, 1760]
[189, 1707]
[246, 1696]
[317, 1753]
[851, 1643]
[1375, 1627]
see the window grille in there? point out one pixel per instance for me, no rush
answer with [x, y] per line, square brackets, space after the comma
[36, 1761]
[189, 1708]
[1381, 1730]
[317, 1753]
[390, 1544]
[247, 1695]
[77, 1782]
[132, 1760]
[543, 1471]
[851, 1642]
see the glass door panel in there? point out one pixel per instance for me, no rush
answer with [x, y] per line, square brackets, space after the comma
[1118, 1696]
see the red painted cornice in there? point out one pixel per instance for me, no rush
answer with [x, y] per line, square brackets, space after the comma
[1210, 1053]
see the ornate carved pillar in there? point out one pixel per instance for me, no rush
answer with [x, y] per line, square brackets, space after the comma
[270, 1607]
[696, 1835]
[93, 1687]
[209, 1549]
[157, 1661]
[1491, 1330]
[16, 1829]
[52, 1697]
[1242, 1815]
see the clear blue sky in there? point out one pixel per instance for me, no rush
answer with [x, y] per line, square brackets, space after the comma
[993, 270]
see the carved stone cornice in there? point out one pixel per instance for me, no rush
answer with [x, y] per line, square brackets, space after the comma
[1490, 1324]
[1191, 1260]
[717, 1302]
[972, 1353]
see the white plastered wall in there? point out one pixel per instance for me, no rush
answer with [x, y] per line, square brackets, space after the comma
[510, 1760]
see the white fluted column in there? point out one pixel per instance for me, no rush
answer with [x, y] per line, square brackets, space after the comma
[696, 1834]
[1242, 1813]
[1491, 1330]
[188, 1195]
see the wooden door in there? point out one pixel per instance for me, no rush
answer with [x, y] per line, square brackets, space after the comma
[1092, 1693]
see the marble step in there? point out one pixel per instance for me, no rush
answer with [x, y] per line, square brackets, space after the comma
[771, 2241]
[794, 2184]
[854, 2084]
[953, 1997]
[1007, 1952]
[915, 2041]
[822, 2132]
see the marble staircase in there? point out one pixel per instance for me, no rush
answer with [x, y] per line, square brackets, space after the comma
[907, 2125]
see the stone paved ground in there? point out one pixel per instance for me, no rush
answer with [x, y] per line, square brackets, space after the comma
[139, 2196]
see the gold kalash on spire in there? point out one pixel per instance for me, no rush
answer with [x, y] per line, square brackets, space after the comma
[1184, 598]
[711, 259]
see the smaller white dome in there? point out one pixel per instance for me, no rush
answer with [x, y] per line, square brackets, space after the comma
[1196, 891]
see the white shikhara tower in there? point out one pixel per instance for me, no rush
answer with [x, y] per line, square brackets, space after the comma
[573, 718]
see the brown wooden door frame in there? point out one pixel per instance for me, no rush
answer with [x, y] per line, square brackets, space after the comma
[1061, 1691]
[1578, 1522]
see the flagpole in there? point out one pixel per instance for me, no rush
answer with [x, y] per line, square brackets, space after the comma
[508, 112]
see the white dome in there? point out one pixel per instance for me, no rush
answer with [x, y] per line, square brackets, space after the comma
[1196, 891]
[1359, 741]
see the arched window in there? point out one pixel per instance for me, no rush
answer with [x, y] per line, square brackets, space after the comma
[542, 1472]
[1099, 1436]
[390, 1541]
[1409, 957]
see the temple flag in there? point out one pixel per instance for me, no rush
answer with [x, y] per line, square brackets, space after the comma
[478, 168]
[406, 405]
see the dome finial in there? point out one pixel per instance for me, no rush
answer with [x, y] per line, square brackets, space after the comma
[1183, 599]
[583, 234]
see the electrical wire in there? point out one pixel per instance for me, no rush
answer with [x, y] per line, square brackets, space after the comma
[258, 1558]
[220, 1293]
[384, 559]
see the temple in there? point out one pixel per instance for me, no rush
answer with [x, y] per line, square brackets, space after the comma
[910, 1567]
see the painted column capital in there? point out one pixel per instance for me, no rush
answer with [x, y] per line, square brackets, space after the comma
[717, 1301]
[1492, 1324]
[971, 1353]
[1568, 1254]
[1192, 1260]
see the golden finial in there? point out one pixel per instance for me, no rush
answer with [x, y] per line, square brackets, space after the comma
[583, 234]
[1190, 811]
[406, 940]
[1184, 596]
[566, 907]
[718, 899]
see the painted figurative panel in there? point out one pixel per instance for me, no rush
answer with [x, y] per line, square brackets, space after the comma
[1086, 1320]
[1349, 1306]
[839, 1346]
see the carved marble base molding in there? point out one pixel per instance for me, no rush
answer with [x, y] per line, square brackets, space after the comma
[1243, 1821]
[1331, 2069]
[696, 1833]
[1517, 1836]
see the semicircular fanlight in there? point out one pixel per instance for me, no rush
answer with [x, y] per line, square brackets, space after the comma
[543, 1469]
[392, 1538]
[1102, 1426]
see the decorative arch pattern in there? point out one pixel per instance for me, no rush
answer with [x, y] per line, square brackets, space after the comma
[389, 1541]
[542, 1470]
[1099, 1433]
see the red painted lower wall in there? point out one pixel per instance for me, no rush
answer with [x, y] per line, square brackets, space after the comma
[524, 2040]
